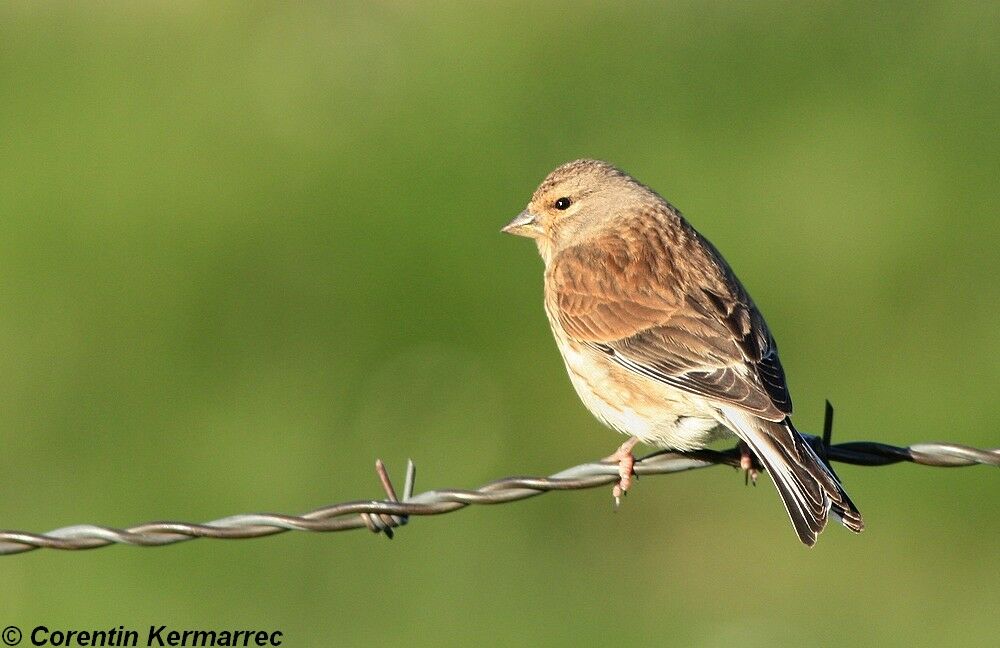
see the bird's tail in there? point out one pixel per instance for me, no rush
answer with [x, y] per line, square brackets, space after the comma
[808, 488]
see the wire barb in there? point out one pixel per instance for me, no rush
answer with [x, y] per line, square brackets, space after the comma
[383, 522]
[386, 515]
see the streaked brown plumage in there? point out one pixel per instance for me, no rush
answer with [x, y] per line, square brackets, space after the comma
[659, 337]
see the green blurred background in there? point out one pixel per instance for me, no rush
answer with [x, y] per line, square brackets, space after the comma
[247, 248]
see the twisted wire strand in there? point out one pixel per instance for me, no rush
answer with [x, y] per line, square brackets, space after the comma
[382, 516]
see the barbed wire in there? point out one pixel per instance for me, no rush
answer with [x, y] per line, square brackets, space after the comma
[382, 516]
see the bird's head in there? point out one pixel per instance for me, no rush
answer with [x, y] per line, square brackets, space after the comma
[575, 200]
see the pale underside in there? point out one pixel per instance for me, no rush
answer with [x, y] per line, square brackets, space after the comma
[658, 414]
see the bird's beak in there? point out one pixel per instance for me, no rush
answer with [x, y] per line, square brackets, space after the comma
[524, 224]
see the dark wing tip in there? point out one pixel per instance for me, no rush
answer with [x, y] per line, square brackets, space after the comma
[848, 515]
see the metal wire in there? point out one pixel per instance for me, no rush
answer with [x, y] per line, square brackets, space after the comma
[382, 516]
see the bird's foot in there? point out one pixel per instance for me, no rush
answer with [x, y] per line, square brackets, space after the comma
[626, 469]
[748, 464]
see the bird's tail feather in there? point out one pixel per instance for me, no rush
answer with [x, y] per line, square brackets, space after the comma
[808, 489]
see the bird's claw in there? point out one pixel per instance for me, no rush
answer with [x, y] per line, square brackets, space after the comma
[626, 470]
[748, 464]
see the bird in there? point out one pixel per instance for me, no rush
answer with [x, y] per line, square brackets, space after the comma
[661, 340]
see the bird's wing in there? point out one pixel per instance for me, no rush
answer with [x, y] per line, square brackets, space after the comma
[672, 311]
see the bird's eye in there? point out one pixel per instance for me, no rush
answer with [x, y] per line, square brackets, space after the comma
[563, 203]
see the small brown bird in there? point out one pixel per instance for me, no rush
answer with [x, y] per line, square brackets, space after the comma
[661, 340]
